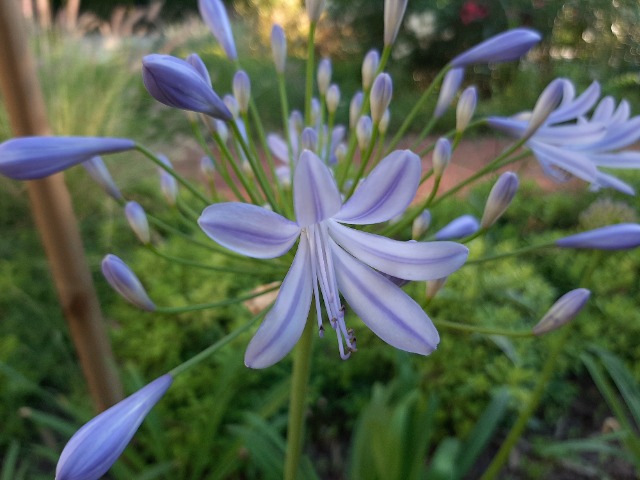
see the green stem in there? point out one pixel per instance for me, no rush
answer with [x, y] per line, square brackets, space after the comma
[483, 330]
[518, 428]
[222, 303]
[308, 91]
[364, 161]
[207, 352]
[513, 253]
[298, 401]
[284, 102]
[149, 154]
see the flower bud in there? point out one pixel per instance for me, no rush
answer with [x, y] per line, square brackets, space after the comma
[279, 48]
[221, 129]
[215, 16]
[393, 14]
[168, 183]
[176, 83]
[420, 224]
[450, 86]
[363, 132]
[296, 122]
[315, 111]
[314, 9]
[441, 156]
[381, 93]
[341, 152]
[354, 109]
[138, 222]
[309, 139]
[125, 282]
[623, 236]
[459, 228]
[95, 447]
[504, 47]
[30, 158]
[563, 311]
[333, 98]
[466, 108]
[97, 170]
[232, 104]
[242, 90]
[207, 168]
[369, 68]
[196, 62]
[383, 126]
[499, 199]
[324, 75]
[548, 101]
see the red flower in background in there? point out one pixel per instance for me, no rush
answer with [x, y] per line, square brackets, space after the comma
[472, 11]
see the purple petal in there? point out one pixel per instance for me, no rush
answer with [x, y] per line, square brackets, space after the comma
[30, 158]
[628, 159]
[283, 325]
[278, 147]
[196, 62]
[604, 110]
[604, 180]
[578, 107]
[407, 260]
[389, 312]
[503, 47]
[386, 192]
[460, 227]
[622, 236]
[176, 83]
[450, 86]
[97, 445]
[215, 16]
[574, 135]
[620, 136]
[315, 194]
[97, 170]
[248, 229]
[510, 126]
[575, 163]
[563, 311]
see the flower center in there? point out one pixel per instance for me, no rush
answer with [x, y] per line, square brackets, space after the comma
[324, 281]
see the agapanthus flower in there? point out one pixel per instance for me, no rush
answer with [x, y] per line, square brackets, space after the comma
[215, 16]
[125, 282]
[333, 259]
[504, 47]
[563, 311]
[31, 158]
[460, 227]
[570, 143]
[622, 236]
[94, 448]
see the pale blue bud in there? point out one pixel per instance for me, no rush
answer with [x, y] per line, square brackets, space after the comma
[207, 168]
[623, 236]
[279, 48]
[196, 62]
[504, 47]
[314, 9]
[333, 98]
[215, 16]
[434, 286]
[563, 311]
[383, 125]
[138, 222]
[176, 83]
[364, 129]
[30, 158]
[450, 86]
[125, 282]
[369, 68]
[97, 170]
[309, 139]
[459, 228]
[393, 15]
[466, 108]
[381, 93]
[499, 198]
[324, 75]
[441, 156]
[354, 109]
[420, 224]
[548, 101]
[242, 90]
[95, 447]
[232, 104]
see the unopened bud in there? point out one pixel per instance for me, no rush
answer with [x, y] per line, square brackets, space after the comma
[232, 104]
[434, 286]
[354, 109]
[242, 90]
[420, 224]
[314, 9]
[333, 98]
[563, 311]
[363, 132]
[381, 93]
[441, 156]
[466, 108]
[279, 48]
[450, 86]
[393, 15]
[138, 222]
[369, 68]
[309, 139]
[125, 282]
[548, 101]
[383, 126]
[499, 199]
[324, 75]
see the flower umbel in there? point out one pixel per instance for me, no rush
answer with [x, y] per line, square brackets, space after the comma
[333, 259]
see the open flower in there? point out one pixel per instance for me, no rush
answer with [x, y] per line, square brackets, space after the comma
[333, 259]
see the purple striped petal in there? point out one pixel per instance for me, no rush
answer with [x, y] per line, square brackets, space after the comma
[574, 135]
[97, 445]
[278, 147]
[563, 311]
[30, 158]
[386, 192]
[578, 107]
[248, 229]
[622, 236]
[283, 325]
[510, 126]
[215, 16]
[406, 260]
[315, 194]
[176, 83]
[389, 312]
[619, 137]
[125, 282]
[627, 159]
[196, 62]
[604, 180]
[504, 47]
